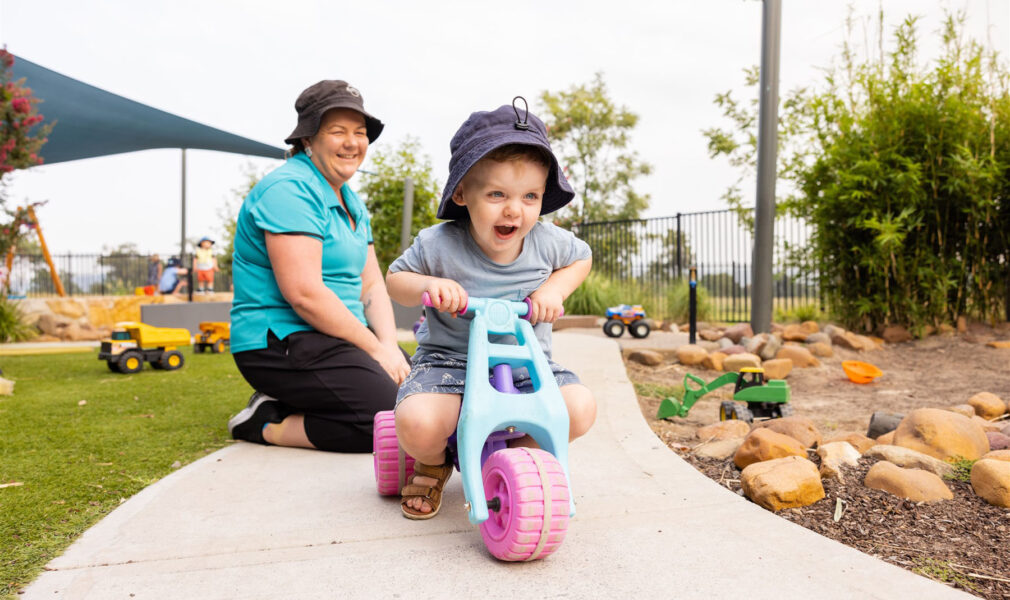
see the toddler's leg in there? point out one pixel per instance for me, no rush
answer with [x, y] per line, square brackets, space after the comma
[581, 409]
[424, 423]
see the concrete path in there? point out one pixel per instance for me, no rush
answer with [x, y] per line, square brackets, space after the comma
[262, 522]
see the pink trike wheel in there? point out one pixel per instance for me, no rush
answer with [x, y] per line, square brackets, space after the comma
[525, 527]
[390, 472]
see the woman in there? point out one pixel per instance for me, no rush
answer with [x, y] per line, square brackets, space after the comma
[312, 326]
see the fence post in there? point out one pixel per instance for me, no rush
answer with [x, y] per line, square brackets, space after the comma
[693, 305]
[679, 273]
[101, 269]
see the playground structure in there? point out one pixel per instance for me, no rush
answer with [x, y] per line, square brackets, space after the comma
[25, 217]
[132, 343]
[520, 497]
[762, 399]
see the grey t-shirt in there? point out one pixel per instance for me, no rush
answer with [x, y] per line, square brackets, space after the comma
[447, 250]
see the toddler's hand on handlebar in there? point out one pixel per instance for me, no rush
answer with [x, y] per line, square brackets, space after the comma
[446, 295]
[545, 306]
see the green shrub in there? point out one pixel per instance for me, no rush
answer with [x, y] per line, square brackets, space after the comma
[810, 311]
[12, 324]
[678, 302]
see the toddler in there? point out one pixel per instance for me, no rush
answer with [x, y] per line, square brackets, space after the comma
[502, 177]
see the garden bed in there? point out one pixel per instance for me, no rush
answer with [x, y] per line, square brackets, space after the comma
[963, 542]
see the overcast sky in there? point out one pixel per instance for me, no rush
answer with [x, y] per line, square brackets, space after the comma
[422, 68]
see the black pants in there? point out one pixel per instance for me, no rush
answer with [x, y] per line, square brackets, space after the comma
[335, 384]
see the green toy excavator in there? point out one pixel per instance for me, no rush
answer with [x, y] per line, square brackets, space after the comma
[763, 399]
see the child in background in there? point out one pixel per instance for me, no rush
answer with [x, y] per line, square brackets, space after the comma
[204, 264]
[502, 177]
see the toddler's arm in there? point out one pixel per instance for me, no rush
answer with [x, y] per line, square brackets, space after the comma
[547, 300]
[406, 288]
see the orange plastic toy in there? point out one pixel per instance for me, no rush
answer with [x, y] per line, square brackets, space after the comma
[860, 372]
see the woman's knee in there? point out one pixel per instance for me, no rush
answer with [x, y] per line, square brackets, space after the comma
[581, 409]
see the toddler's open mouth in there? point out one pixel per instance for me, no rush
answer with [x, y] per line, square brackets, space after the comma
[505, 230]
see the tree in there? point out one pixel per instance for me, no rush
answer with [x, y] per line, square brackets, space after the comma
[21, 138]
[591, 137]
[229, 215]
[382, 188]
[901, 170]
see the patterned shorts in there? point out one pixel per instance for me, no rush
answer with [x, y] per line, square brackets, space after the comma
[440, 374]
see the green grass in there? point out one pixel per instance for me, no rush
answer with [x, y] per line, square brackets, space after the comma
[656, 390]
[962, 469]
[77, 462]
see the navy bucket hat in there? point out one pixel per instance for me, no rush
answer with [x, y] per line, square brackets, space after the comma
[485, 131]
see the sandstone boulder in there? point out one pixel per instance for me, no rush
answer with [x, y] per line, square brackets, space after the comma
[821, 350]
[711, 335]
[941, 434]
[810, 327]
[912, 484]
[887, 438]
[963, 409]
[991, 481]
[757, 343]
[56, 325]
[987, 405]
[987, 425]
[777, 368]
[735, 362]
[709, 346]
[800, 429]
[896, 334]
[1000, 344]
[782, 483]
[713, 361]
[834, 455]
[859, 441]
[801, 357]
[831, 329]
[771, 347]
[724, 430]
[794, 333]
[649, 358]
[911, 459]
[765, 444]
[739, 331]
[691, 354]
[819, 338]
[725, 342]
[853, 341]
[66, 307]
[882, 422]
[998, 455]
[733, 349]
[718, 449]
[1005, 431]
[997, 441]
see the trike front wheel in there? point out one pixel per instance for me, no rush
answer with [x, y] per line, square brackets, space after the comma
[529, 503]
[392, 468]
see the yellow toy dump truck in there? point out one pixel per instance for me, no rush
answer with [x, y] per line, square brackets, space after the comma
[214, 335]
[132, 343]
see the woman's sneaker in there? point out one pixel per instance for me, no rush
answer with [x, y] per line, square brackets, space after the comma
[248, 424]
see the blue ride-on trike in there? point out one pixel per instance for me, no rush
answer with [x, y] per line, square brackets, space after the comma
[520, 497]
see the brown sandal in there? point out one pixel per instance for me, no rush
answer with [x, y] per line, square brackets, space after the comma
[431, 494]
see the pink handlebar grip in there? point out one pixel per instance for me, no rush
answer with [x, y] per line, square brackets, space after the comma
[426, 300]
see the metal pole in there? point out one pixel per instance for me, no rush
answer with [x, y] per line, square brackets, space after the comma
[693, 304]
[764, 219]
[408, 213]
[182, 238]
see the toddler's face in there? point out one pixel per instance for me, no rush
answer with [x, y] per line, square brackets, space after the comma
[504, 200]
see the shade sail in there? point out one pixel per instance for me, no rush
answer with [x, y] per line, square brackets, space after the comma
[93, 122]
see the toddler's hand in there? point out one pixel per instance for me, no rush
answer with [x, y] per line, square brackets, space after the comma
[446, 295]
[547, 306]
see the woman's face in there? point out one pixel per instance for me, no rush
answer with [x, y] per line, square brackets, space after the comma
[339, 147]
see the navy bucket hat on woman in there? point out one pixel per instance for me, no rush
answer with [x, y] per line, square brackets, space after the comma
[485, 131]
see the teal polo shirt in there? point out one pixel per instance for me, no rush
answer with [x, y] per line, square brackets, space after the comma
[294, 199]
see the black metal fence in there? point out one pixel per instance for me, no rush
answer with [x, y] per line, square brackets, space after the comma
[651, 256]
[88, 274]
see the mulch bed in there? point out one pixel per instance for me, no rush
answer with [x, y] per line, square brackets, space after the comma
[963, 543]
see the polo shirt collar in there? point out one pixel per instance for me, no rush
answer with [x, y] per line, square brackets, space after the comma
[332, 201]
